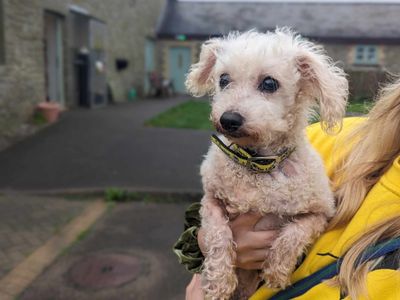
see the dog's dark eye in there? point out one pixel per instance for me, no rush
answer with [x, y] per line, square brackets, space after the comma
[224, 80]
[269, 85]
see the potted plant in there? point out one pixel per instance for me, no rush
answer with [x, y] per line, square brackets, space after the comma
[49, 110]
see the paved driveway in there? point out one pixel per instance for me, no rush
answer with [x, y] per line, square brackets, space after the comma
[145, 231]
[97, 149]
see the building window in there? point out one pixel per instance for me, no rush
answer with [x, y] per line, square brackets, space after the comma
[366, 55]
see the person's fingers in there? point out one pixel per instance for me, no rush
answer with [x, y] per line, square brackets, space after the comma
[252, 260]
[196, 281]
[194, 290]
[191, 283]
[247, 220]
[256, 240]
[252, 256]
[256, 265]
[263, 239]
[269, 222]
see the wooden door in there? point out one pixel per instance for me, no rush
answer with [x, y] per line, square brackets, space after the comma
[179, 63]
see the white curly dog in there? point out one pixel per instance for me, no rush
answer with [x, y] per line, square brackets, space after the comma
[263, 86]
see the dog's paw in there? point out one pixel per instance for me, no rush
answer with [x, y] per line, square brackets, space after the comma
[279, 266]
[276, 278]
[219, 290]
[277, 271]
[220, 287]
[219, 278]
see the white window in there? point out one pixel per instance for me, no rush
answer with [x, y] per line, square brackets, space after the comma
[366, 55]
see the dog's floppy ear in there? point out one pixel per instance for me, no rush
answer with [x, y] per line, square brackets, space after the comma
[325, 83]
[199, 81]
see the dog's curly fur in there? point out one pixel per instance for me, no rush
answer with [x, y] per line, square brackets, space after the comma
[298, 191]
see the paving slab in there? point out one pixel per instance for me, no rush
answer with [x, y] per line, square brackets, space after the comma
[21, 276]
[26, 222]
[142, 231]
[107, 147]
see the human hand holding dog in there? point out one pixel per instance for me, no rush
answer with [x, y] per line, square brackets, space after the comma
[253, 235]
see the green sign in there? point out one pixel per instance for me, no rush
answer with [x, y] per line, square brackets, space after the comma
[181, 37]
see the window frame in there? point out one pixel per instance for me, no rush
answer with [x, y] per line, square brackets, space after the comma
[365, 59]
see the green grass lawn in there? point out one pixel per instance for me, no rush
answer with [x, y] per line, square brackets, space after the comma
[191, 114]
[195, 115]
[359, 107]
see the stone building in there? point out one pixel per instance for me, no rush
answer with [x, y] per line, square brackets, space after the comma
[363, 37]
[74, 52]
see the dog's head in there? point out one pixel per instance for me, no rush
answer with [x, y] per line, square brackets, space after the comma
[264, 84]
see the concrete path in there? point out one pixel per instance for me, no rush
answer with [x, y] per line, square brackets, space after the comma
[107, 147]
[145, 231]
[23, 274]
[27, 222]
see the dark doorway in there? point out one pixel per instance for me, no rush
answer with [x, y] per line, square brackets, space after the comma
[89, 36]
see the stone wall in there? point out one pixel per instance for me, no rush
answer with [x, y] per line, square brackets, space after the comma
[22, 76]
[391, 58]
[364, 81]
[129, 22]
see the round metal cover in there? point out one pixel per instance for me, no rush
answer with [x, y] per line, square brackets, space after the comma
[105, 270]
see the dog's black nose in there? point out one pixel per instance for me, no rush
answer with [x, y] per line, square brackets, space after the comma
[231, 121]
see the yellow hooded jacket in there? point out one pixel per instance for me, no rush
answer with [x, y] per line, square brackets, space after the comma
[383, 201]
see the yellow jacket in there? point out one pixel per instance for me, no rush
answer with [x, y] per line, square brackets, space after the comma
[383, 201]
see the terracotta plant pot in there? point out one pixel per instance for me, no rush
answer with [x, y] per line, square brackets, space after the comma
[50, 111]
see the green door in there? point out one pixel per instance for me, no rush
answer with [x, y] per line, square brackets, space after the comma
[180, 60]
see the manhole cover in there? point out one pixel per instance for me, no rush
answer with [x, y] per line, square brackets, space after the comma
[105, 270]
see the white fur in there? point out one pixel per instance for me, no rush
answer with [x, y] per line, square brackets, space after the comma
[298, 190]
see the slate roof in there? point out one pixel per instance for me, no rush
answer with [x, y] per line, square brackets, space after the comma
[322, 21]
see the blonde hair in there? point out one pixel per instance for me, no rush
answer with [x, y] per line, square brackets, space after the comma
[352, 276]
[376, 146]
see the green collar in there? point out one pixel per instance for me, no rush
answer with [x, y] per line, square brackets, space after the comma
[264, 164]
